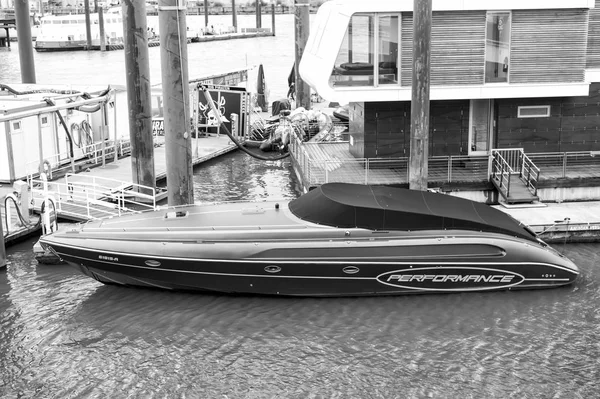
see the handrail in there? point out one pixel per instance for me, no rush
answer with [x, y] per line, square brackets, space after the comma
[88, 197]
[500, 173]
[532, 175]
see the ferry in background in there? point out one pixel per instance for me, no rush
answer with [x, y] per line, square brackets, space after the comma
[67, 32]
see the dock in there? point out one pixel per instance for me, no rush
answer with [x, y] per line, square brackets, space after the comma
[560, 222]
[107, 190]
[15, 229]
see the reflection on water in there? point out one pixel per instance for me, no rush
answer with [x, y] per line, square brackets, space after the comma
[239, 177]
[65, 335]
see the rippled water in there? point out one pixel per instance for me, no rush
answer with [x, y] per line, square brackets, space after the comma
[76, 67]
[65, 335]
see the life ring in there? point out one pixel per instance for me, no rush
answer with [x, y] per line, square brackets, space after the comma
[46, 168]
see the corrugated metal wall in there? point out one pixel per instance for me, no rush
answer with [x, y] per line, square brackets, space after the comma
[544, 51]
[593, 46]
[457, 48]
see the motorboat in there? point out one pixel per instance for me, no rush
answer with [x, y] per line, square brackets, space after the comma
[337, 240]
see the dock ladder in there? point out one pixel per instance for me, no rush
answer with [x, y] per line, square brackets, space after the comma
[514, 175]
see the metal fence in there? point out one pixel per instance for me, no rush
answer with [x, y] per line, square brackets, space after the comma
[441, 169]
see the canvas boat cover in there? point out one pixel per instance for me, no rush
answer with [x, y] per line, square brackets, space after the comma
[346, 205]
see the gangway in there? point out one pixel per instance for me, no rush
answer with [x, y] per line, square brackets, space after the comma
[514, 175]
[80, 197]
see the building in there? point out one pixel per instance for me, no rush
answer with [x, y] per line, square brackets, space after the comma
[511, 74]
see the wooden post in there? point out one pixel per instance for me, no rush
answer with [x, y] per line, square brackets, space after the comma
[419, 109]
[101, 27]
[273, 18]
[175, 88]
[234, 15]
[2, 244]
[25, 44]
[137, 66]
[302, 28]
[258, 15]
[206, 13]
[88, 24]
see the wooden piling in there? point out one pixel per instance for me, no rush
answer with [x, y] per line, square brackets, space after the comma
[258, 14]
[206, 13]
[101, 27]
[88, 24]
[175, 88]
[273, 19]
[419, 128]
[302, 29]
[139, 105]
[25, 44]
[234, 15]
[2, 243]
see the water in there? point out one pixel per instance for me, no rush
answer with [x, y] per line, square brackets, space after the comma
[65, 335]
[75, 67]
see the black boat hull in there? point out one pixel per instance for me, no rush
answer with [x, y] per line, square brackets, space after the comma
[340, 277]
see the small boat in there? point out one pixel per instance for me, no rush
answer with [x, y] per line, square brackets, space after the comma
[337, 240]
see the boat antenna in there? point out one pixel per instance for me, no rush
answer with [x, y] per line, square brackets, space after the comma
[210, 102]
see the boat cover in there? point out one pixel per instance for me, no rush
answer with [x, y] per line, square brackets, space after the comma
[390, 208]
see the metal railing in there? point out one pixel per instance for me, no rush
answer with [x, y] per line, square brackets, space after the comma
[529, 173]
[443, 169]
[501, 170]
[520, 163]
[93, 197]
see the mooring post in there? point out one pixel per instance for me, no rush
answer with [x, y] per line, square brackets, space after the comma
[175, 88]
[206, 14]
[419, 108]
[302, 28]
[139, 105]
[234, 15]
[258, 15]
[101, 27]
[273, 18]
[2, 243]
[88, 24]
[25, 44]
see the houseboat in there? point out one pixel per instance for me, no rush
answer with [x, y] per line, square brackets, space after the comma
[514, 91]
[49, 128]
[68, 32]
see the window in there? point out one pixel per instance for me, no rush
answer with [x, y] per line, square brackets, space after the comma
[44, 120]
[535, 111]
[370, 40]
[497, 47]
[15, 126]
[387, 49]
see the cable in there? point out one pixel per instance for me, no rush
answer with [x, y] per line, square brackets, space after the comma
[209, 100]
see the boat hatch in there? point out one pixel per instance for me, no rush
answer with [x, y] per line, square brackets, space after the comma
[176, 214]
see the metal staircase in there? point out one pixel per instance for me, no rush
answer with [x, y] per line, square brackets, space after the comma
[514, 175]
